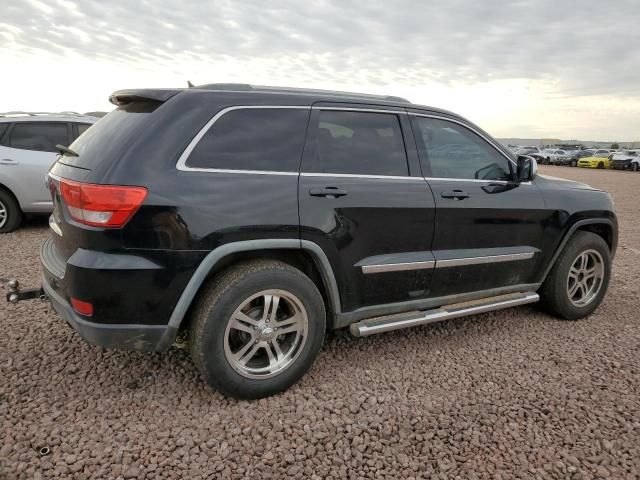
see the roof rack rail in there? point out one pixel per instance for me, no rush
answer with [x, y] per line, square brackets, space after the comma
[245, 87]
[18, 113]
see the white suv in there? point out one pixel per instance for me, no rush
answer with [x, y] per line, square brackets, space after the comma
[27, 149]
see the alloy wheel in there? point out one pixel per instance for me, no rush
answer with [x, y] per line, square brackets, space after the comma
[266, 334]
[585, 278]
[4, 214]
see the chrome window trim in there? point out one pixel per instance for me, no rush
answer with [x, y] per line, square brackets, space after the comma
[475, 180]
[356, 109]
[182, 161]
[398, 267]
[356, 175]
[468, 127]
[226, 170]
[461, 262]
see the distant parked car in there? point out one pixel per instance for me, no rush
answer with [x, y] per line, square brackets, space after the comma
[558, 157]
[27, 150]
[531, 149]
[626, 160]
[537, 153]
[599, 159]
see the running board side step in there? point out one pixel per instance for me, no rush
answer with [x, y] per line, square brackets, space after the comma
[388, 323]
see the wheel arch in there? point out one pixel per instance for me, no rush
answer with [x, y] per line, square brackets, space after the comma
[292, 251]
[603, 227]
[5, 188]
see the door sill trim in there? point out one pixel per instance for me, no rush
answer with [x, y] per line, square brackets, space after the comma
[347, 318]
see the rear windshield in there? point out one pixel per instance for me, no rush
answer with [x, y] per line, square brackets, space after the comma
[109, 134]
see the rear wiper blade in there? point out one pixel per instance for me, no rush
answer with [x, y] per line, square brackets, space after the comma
[66, 150]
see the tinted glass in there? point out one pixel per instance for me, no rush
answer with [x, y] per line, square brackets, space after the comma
[108, 135]
[38, 136]
[253, 139]
[3, 128]
[82, 127]
[453, 151]
[359, 143]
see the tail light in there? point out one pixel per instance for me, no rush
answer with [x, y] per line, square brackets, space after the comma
[101, 205]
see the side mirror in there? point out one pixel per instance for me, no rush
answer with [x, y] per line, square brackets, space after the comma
[527, 168]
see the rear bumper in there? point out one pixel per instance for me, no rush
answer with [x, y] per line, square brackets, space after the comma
[122, 288]
[125, 336]
[621, 165]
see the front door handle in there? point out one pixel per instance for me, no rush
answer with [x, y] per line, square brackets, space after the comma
[8, 161]
[457, 194]
[328, 192]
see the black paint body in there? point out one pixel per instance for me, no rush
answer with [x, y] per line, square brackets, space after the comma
[136, 275]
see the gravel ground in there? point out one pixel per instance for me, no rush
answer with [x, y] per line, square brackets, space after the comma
[511, 394]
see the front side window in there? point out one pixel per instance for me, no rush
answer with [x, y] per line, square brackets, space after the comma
[263, 139]
[358, 143]
[454, 151]
[39, 136]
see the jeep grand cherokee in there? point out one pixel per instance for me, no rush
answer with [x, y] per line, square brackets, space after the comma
[245, 221]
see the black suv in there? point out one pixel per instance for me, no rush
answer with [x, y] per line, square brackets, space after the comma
[245, 221]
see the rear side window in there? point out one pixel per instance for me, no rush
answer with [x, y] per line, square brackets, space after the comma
[3, 128]
[262, 139]
[38, 136]
[360, 143]
[82, 127]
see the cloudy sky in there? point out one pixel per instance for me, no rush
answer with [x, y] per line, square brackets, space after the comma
[525, 68]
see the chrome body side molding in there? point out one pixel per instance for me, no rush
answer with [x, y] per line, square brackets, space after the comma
[443, 259]
[461, 262]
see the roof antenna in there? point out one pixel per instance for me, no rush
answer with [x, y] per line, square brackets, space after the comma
[189, 84]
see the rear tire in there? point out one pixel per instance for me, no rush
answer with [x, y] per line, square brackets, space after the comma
[573, 289]
[248, 344]
[10, 213]
[574, 163]
[634, 167]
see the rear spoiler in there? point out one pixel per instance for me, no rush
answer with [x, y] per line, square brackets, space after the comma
[122, 97]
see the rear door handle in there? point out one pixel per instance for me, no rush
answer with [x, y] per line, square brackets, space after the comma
[8, 161]
[328, 192]
[457, 194]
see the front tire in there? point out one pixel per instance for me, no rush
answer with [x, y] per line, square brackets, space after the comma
[579, 278]
[257, 328]
[10, 213]
[574, 163]
[601, 165]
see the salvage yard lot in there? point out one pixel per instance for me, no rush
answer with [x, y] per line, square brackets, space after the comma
[510, 394]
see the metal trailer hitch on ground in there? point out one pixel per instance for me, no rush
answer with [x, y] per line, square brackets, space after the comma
[16, 294]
